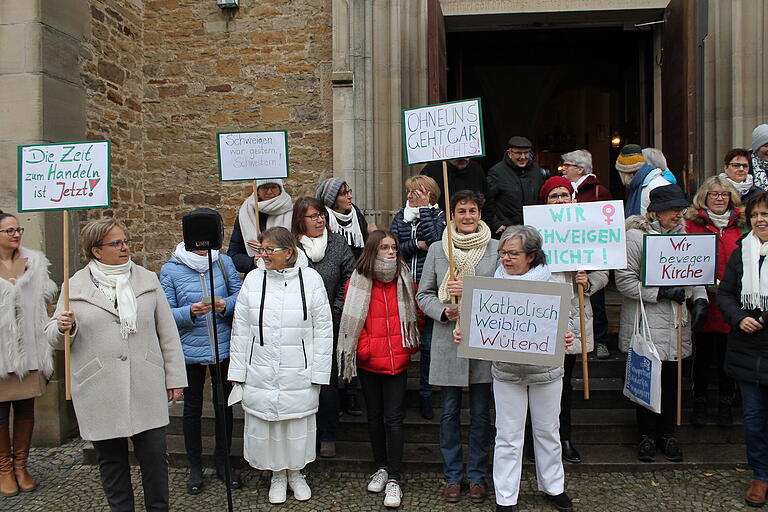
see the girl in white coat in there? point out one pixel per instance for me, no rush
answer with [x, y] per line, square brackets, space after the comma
[280, 355]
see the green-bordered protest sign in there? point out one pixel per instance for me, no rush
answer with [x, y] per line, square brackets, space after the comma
[252, 155]
[680, 259]
[443, 132]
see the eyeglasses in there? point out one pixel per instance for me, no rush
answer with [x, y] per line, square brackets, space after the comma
[116, 243]
[718, 195]
[562, 195]
[738, 165]
[269, 251]
[511, 254]
[520, 153]
[347, 192]
[571, 165]
[11, 231]
[315, 216]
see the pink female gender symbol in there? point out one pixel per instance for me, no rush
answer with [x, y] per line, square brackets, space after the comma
[608, 211]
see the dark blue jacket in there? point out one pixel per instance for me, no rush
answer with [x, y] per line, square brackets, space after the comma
[428, 227]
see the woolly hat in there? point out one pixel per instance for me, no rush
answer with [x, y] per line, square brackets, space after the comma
[519, 142]
[630, 159]
[276, 181]
[667, 197]
[328, 190]
[759, 137]
[553, 183]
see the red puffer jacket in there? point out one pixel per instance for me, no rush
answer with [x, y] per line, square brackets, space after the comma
[726, 244]
[380, 346]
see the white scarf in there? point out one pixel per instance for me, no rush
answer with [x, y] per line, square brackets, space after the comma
[411, 214]
[315, 247]
[742, 187]
[578, 182]
[720, 221]
[194, 261]
[754, 280]
[537, 273]
[350, 229]
[114, 282]
[279, 210]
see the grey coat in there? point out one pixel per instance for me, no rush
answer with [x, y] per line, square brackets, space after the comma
[662, 314]
[446, 367]
[119, 387]
[335, 268]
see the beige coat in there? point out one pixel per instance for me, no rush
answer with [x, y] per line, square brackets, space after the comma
[119, 387]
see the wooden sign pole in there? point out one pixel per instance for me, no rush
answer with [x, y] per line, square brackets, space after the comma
[679, 364]
[582, 326]
[256, 205]
[65, 291]
[451, 269]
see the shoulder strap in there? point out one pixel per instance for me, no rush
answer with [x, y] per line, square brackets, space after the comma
[223, 273]
[303, 296]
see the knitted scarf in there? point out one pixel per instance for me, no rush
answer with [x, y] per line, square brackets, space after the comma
[537, 273]
[279, 210]
[114, 283]
[754, 280]
[468, 251]
[720, 221]
[194, 261]
[743, 187]
[356, 306]
[760, 169]
[315, 247]
[346, 224]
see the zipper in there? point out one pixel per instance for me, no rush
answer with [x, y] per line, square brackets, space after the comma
[304, 350]
[389, 338]
[416, 253]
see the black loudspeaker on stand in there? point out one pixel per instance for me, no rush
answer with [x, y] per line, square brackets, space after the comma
[204, 230]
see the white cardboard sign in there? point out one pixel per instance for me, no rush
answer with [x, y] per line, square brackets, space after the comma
[680, 260]
[252, 155]
[64, 176]
[581, 236]
[443, 132]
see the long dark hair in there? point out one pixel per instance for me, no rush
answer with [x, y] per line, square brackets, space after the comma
[300, 207]
[366, 263]
[4, 216]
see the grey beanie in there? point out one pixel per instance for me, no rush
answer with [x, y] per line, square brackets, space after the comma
[328, 190]
[759, 137]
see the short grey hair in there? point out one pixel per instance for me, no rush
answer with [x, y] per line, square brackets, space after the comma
[655, 158]
[282, 238]
[530, 239]
[580, 157]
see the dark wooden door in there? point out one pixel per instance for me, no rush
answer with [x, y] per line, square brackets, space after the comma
[437, 68]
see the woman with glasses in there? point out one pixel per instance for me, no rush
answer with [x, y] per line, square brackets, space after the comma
[343, 216]
[275, 209]
[280, 356]
[736, 169]
[126, 362]
[577, 167]
[331, 257]
[716, 209]
[665, 214]
[26, 363]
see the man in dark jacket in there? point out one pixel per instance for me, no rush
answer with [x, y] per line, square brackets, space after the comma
[463, 174]
[513, 183]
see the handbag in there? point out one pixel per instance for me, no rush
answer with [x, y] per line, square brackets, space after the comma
[642, 377]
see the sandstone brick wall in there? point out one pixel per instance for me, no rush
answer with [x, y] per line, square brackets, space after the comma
[165, 75]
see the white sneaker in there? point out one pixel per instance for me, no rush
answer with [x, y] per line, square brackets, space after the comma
[278, 488]
[298, 485]
[378, 480]
[392, 494]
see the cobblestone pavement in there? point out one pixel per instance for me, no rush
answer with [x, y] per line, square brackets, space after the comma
[66, 485]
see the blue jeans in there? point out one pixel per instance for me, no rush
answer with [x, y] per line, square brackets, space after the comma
[425, 390]
[479, 433]
[754, 402]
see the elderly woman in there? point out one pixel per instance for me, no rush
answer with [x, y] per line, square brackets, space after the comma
[474, 253]
[577, 167]
[557, 190]
[665, 215]
[331, 257]
[743, 300]
[760, 155]
[642, 170]
[716, 209]
[280, 355]
[736, 166]
[127, 363]
[27, 361]
[518, 387]
[275, 209]
[417, 226]
[185, 280]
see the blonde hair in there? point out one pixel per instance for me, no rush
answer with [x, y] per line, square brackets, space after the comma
[93, 232]
[420, 181]
[700, 199]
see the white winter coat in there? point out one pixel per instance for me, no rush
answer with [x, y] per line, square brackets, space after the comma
[282, 366]
[23, 317]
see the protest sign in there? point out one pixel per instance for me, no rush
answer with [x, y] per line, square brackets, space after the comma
[252, 155]
[514, 321]
[580, 236]
[64, 176]
[679, 260]
[443, 132]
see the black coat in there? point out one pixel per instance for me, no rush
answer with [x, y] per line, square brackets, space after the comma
[746, 355]
[428, 227]
[236, 251]
[511, 188]
[472, 177]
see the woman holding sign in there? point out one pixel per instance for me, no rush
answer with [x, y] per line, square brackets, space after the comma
[743, 300]
[665, 215]
[474, 253]
[26, 363]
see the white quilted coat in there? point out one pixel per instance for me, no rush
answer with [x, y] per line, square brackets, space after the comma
[283, 369]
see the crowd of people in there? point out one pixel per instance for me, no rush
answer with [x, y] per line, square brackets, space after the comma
[311, 304]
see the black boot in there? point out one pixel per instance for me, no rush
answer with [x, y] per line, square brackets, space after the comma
[426, 408]
[699, 415]
[646, 450]
[195, 478]
[353, 405]
[570, 454]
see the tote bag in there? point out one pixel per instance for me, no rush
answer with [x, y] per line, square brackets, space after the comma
[642, 377]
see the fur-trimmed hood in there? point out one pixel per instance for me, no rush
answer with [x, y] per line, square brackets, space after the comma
[644, 224]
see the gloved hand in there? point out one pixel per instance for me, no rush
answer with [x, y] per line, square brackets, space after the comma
[699, 312]
[672, 293]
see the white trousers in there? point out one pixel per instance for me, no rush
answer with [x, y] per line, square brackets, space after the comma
[512, 402]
